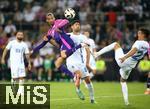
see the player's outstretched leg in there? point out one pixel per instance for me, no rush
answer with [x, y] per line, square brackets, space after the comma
[77, 85]
[147, 92]
[106, 49]
[124, 90]
[90, 88]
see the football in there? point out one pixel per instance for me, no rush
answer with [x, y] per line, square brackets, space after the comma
[69, 13]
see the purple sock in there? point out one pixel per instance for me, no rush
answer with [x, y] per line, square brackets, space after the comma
[71, 51]
[66, 71]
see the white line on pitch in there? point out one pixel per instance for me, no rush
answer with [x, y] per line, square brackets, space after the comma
[61, 99]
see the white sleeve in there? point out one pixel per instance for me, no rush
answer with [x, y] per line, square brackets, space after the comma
[136, 45]
[9, 45]
[85, 40]
[26, 49]
[93, 46]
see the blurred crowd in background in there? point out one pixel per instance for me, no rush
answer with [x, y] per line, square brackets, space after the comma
[106, 20]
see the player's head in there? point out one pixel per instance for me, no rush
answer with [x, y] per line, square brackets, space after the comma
[75, 26]
[143, 34]
[86, 33]
[19, 35]
[50, 18]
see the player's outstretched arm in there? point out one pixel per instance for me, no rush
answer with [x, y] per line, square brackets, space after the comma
[4, 55]
[129, 54]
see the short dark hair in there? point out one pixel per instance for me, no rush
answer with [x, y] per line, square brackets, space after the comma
[72, 22]
[50, 14]
[145, 32]
[19, 31]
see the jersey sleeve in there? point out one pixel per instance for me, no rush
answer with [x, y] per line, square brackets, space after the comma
[9, 45]
[26, 49]
[93, 46]
[136, 45]
[60, 23]
[85, 40]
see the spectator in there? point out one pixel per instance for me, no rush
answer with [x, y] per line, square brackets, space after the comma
[10, 28]
[48, 67]
[29, 15]
[38, 65]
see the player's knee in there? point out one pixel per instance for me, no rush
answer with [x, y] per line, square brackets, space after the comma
[63, 54]
[88, 80]
[78, 76]
[117, 45]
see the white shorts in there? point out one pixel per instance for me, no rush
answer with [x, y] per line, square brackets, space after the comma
[17, 72]
[73, 67]
[125, 67]
[92, 62]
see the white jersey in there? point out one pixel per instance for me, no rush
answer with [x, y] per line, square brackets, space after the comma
[92, 44]
[142, 47]
[17, 51]
[78, 55]
[76, 62]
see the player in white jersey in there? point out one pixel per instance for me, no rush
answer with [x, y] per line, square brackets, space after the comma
[17, 50]
[128, 61]
[92, 47]
[76, 64]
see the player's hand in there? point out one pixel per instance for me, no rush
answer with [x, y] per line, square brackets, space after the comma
[122, 59]
[89, 68]
[45, 38]
[84, 45]
[63, 54]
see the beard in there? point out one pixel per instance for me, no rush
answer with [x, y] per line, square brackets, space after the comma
[19, 38]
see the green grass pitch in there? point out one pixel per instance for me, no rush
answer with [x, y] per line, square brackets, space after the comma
[107, 94]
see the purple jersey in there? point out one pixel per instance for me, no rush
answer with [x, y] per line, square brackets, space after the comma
[62, 39]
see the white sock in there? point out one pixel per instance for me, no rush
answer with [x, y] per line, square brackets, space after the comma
[91, 90]
[21, 89]
[77, 89]
[106, 49]
[125, 92]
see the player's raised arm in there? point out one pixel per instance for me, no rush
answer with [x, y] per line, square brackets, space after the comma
[41, 45]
